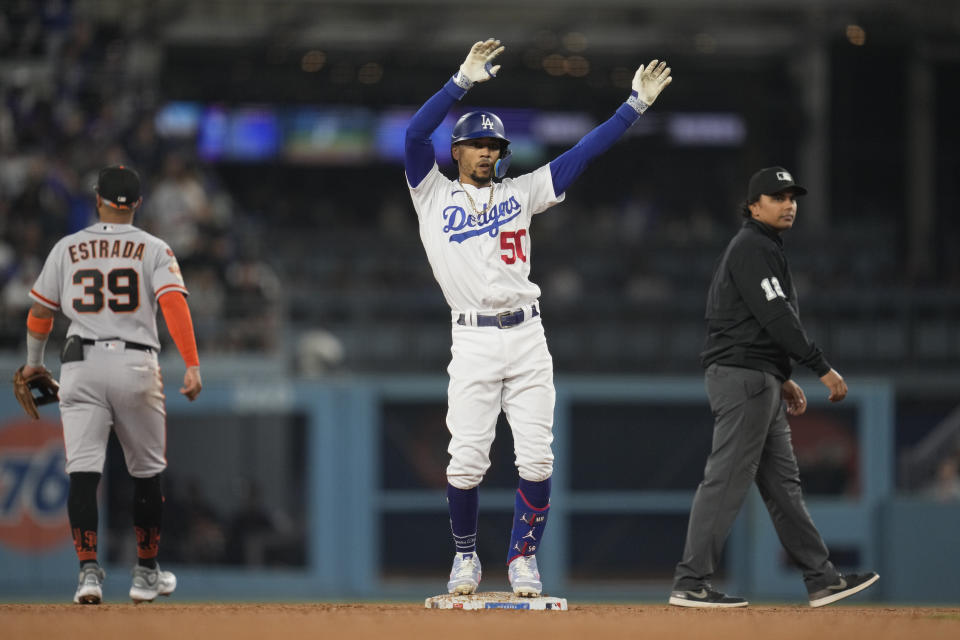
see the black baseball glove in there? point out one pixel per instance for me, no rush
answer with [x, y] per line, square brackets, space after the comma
[41, 381]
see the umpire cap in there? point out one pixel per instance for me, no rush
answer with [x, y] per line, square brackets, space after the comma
[119, 187]
[772, 180]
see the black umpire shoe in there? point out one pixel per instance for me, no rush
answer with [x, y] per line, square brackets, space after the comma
[706, 599]
[846, 586]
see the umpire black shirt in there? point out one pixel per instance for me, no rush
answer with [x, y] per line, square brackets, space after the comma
[753, 316]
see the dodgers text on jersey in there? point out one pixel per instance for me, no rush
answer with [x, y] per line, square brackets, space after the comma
[489, 221]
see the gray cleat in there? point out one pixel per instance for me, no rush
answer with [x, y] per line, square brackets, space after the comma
[149, 583]
[90, 585]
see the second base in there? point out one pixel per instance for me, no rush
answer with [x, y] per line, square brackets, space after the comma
[495, 600]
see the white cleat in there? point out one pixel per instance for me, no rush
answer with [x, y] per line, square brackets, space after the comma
[149, 583]
[90, 585]
[465, 574]
[525, 577]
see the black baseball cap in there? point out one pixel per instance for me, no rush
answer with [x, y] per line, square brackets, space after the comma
[119, 186]
[772, 180]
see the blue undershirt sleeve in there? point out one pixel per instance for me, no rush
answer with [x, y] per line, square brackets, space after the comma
[418, 157]
[566, 167]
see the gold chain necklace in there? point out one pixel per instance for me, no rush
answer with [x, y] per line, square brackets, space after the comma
[474, 204]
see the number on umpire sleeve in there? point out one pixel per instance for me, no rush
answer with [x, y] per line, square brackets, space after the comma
[772, 288]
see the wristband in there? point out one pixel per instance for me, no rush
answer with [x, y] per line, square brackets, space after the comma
[43, 326]
[461, 80]
[638, 105]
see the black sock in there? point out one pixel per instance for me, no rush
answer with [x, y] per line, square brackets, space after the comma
[83, 514]
[147, 518]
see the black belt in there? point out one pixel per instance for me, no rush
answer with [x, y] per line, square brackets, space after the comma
[129, 345]
[503, 320]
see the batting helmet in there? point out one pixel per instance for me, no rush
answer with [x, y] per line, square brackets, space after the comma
[483, 124]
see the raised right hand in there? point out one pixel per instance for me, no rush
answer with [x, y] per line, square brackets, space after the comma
[834, 381]
[476, 67]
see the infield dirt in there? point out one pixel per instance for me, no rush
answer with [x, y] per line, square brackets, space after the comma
[170, 621]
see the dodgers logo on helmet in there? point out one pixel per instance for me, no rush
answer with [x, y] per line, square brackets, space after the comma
[484, 124]
[33, 487]
[479, 124]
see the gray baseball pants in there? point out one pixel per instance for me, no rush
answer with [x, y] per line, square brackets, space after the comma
[751, 443]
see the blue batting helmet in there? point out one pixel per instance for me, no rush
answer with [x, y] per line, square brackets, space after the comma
[483, 124]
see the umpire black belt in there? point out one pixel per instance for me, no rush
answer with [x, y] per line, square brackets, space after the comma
[502, 320]
[129, 345]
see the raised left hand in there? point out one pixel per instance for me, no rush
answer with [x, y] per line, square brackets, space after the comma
[650, 80]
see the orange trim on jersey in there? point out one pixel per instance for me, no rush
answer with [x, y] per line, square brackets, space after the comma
[171, 287]
[180, 324]
[40, 298]
[42, 326]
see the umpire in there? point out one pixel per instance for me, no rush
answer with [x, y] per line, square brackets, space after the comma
[753, 330]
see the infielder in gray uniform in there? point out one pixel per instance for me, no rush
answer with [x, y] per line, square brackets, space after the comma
[109, 279]
[753, 331]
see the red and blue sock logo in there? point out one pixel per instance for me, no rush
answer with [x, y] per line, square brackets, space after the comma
[529, 523]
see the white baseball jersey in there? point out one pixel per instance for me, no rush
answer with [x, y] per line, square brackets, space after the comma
[107, 279]
[481, 257]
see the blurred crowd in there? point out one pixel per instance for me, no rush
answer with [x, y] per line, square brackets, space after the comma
[322, 264]
[76, 96]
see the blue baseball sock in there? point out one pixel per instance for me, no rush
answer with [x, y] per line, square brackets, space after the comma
[464, 508]
[530, 508]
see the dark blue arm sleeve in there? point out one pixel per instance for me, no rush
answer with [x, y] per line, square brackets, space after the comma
[418, 156]
[570, 164]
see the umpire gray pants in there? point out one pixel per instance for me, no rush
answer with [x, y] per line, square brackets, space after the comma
[751, 443]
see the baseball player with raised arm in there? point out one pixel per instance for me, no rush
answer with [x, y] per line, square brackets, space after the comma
[109, 279]
[476, 235]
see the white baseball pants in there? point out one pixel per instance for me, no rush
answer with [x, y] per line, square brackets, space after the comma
[494, 369]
